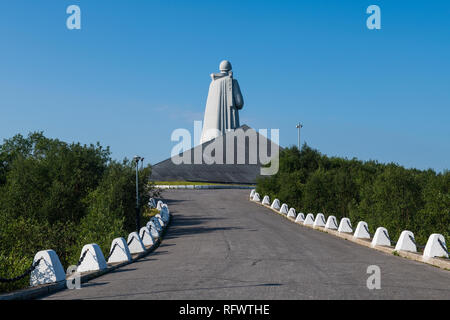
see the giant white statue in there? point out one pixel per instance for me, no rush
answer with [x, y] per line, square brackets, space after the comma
[223, 104]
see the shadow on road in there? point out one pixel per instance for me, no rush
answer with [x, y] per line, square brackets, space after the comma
[169, 201]
[93, 284]
[123, 270]
[184, 221]
[186, 225]
[162, 245]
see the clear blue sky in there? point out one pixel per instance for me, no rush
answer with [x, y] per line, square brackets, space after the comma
[138, 69]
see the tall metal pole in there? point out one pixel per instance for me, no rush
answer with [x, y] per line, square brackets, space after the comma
[138, 211]
[299, 126]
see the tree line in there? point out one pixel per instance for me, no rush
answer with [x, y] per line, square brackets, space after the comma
[386, 195]
[61, 196]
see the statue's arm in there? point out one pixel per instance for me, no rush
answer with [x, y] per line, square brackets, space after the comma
[237, 95]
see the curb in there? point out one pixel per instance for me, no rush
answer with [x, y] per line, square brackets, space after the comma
[436, 262]
[46, 289]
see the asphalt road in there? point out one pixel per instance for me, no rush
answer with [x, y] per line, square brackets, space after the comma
[222, 246]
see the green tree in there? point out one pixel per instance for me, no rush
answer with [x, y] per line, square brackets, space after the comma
[382, 195]
[435, 214]
[60, 196]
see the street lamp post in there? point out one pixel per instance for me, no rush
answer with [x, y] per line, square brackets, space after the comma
[299, 126]
[136, 159]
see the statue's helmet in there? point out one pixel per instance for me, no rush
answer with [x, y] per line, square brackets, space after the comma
[225, 66]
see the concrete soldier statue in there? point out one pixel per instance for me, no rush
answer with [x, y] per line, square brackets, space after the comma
[223, 104]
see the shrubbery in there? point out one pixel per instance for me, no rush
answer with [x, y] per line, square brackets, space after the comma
[385, 195]
[60, 196]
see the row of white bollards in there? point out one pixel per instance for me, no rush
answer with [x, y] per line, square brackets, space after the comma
[435, 247]
[50, 269]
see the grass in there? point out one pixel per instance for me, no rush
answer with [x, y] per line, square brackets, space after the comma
[192, 183]
[148, 213]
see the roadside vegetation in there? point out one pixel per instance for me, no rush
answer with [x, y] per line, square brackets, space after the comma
[60, 196]
[386, 195]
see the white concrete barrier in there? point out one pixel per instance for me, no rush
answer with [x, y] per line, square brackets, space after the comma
[292, 214]
[49, 269]
[165, 213]
[252, 193]
[406, 242]
[152, 203]
[160, 220]
[362, 231]
[157, 225]
[276, 204]
[166, 219]
[153, 231]
[256, 197]
[331, 223]
[135, 243]
[284, 209]
[435, 247]
[309, 220]
[300, 218]
[166, 207]
[345, 226]
[159, 205]
[159, 217]
[121, 252]
[146, 237]
[381, 238]
[266, 201]
[320, 220]
[92, 259]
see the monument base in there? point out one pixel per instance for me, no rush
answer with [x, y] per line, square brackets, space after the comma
[240, 162]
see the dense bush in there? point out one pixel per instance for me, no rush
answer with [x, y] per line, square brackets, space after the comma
[60, 196]
[385, 195]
